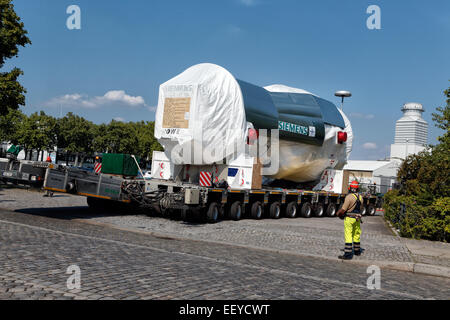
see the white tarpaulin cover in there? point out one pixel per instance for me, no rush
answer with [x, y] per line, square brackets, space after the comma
[302, 162]
[285, 89]
[203, 109]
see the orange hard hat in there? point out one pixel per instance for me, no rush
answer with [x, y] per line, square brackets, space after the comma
[354, 184]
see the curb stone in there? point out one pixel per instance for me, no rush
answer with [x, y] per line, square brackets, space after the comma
[422, 268]
[392, 228]
[432, 270]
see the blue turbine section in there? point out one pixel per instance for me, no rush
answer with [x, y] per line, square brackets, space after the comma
[300, 117]
[259, 107]
[330, 113]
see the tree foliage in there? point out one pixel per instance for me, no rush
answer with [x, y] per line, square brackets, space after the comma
[75, 134]
[420, 209]
[38, 131]
[9, 126]
[442, 117]
[132, 138]
[12, 36]
[146, 142]
[121, 137]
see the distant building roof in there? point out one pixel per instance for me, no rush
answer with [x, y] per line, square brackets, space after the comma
[362, 165]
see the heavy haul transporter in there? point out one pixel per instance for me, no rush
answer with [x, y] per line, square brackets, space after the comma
[210, 203]
[205, 108]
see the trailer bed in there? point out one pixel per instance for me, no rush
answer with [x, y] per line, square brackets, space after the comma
[166, 196]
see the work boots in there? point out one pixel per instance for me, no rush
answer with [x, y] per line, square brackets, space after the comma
[348, 254]
[350, 250]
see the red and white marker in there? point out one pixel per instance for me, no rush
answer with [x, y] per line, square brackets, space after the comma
[205, 179]
[98, 167]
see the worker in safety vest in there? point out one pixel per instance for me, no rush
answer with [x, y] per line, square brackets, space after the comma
[351, 214]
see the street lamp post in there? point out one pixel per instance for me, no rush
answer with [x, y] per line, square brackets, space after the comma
[343, 94]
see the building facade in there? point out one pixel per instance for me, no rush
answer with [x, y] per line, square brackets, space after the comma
[411, 132]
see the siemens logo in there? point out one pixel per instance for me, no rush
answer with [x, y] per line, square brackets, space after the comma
[294, 128]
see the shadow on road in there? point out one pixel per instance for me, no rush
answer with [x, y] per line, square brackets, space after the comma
[84, 212]
[193, 224]
[70, 213]
[59, 196]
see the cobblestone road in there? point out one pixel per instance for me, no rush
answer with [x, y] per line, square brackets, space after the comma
[314, 236]
[36, 251]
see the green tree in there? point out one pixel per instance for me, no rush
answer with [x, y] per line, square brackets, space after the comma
[135, 138]
[427, 174]
[12, 36]
[116, 137]
[75, 134]
[9, 126]
[442, 117]
[38, 132]
[100, 141]
[147, 142]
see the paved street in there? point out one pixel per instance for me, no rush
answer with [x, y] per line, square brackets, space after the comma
[39, 245]
[315, 237]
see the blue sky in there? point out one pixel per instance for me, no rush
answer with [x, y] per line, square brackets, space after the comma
[113, 66]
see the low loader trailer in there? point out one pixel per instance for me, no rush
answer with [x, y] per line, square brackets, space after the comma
[209, 204]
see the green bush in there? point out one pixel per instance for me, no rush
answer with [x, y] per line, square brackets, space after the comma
[420, 209]
[417, 221]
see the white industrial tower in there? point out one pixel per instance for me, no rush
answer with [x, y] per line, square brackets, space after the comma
[411, 132]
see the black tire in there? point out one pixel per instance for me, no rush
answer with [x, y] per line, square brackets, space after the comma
[213, 213]
[236, 211]
[257, 210]
[371, 210]
[363, 210]
[221, 213]
[275, 210]
[331, 210]
[306, 210]
[319, 210]
[291, 210]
